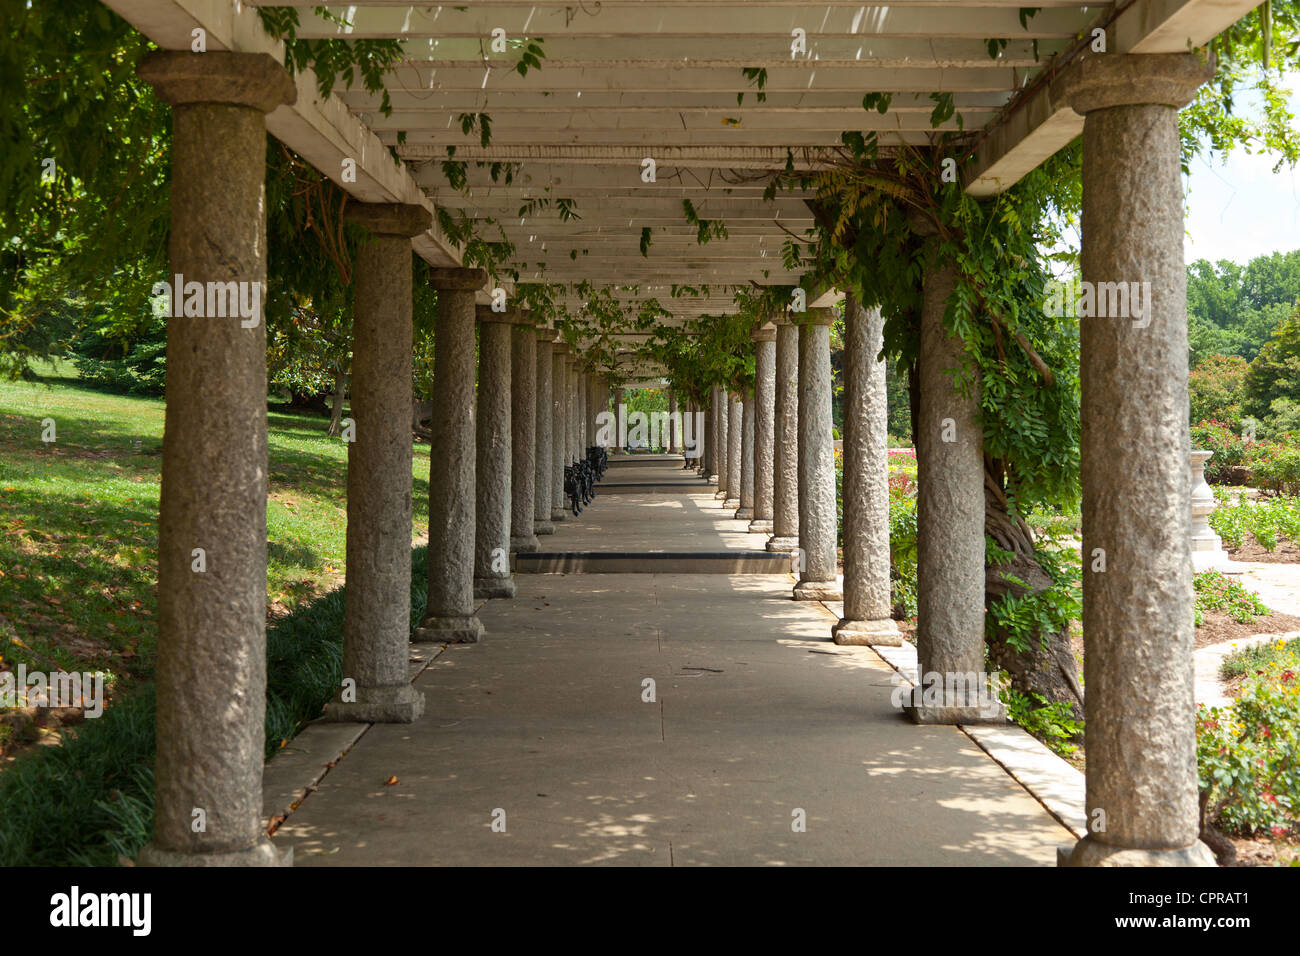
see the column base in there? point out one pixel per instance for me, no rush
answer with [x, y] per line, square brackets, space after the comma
[392, 704]
[760, 526]
[558, 515]
[883, 632]
[818, 591]
[459, 629]
[524, 545]
[261, 853]
[992, 712]
[494, 588]
[782, 544]
[744, 514]
[541, 526]
[720, 495]
[731, 504]
[1088, 852]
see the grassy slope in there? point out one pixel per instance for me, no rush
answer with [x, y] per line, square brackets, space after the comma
[78, 522]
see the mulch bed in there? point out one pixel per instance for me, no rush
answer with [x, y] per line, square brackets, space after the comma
[1286, 552]
[1219, 627]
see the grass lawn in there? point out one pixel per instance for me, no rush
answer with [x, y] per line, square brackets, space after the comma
[78, 523]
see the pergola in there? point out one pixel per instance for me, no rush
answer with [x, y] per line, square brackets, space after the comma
[713, 97]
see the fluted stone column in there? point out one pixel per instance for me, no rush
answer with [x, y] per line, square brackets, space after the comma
[746, 510]
[764, 413]
[867, 605]
[559, 415]
[211, 663]
[1137, 562]
[817, 518]
[449, 615]
[492, 577]
[543, 473]
[377, 601]
[523, 434]
[785, 439]
[949, 521]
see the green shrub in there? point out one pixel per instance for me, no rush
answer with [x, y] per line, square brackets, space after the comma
[1279, 472]
[1230, 450]
[1055, 724]
[90, 801]
[1215, 592]
[902, 545]
[1268, 521]
[1248, 754]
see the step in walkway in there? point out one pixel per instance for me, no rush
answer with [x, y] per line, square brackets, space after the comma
[759, 742]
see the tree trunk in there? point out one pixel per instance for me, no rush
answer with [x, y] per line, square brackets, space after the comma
[1048, 667]
[336, 413]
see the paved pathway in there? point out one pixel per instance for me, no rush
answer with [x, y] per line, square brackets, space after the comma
[758, 720]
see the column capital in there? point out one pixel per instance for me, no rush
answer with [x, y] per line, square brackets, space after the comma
[456, 279]
[545, 334]
[255, 80]
[815, 316]
[403, 220]
[511, 316]
[1136, 79]
[764, 333]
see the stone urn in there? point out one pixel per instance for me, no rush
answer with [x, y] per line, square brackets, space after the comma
[1207, 547]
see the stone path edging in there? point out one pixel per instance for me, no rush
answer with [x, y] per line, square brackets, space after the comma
[1047, 778]
[311, 755]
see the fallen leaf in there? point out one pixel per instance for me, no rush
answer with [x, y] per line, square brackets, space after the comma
[391, 782]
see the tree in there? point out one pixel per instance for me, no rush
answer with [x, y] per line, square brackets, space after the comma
[1275, 372]
[1215, 388]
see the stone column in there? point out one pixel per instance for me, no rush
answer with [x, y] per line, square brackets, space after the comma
[620, 419]
[949, 520]
[377, 600]
[584, 411]
[867, 604]
[559, 418]
[1137, 562]
[817, 518]
[449, 614]
[575, 411]
[746, 510]
[523, 434]
[492, 514]
[712, 435]
[735, 439]
[764, 412]
[724, 444]
[785, 439]
[543, 476]
[211, 663]
[674, 439]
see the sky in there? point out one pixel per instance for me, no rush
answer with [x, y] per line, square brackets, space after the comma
[1239, 208]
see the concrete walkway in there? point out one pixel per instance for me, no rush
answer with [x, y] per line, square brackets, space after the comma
[758, 721]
